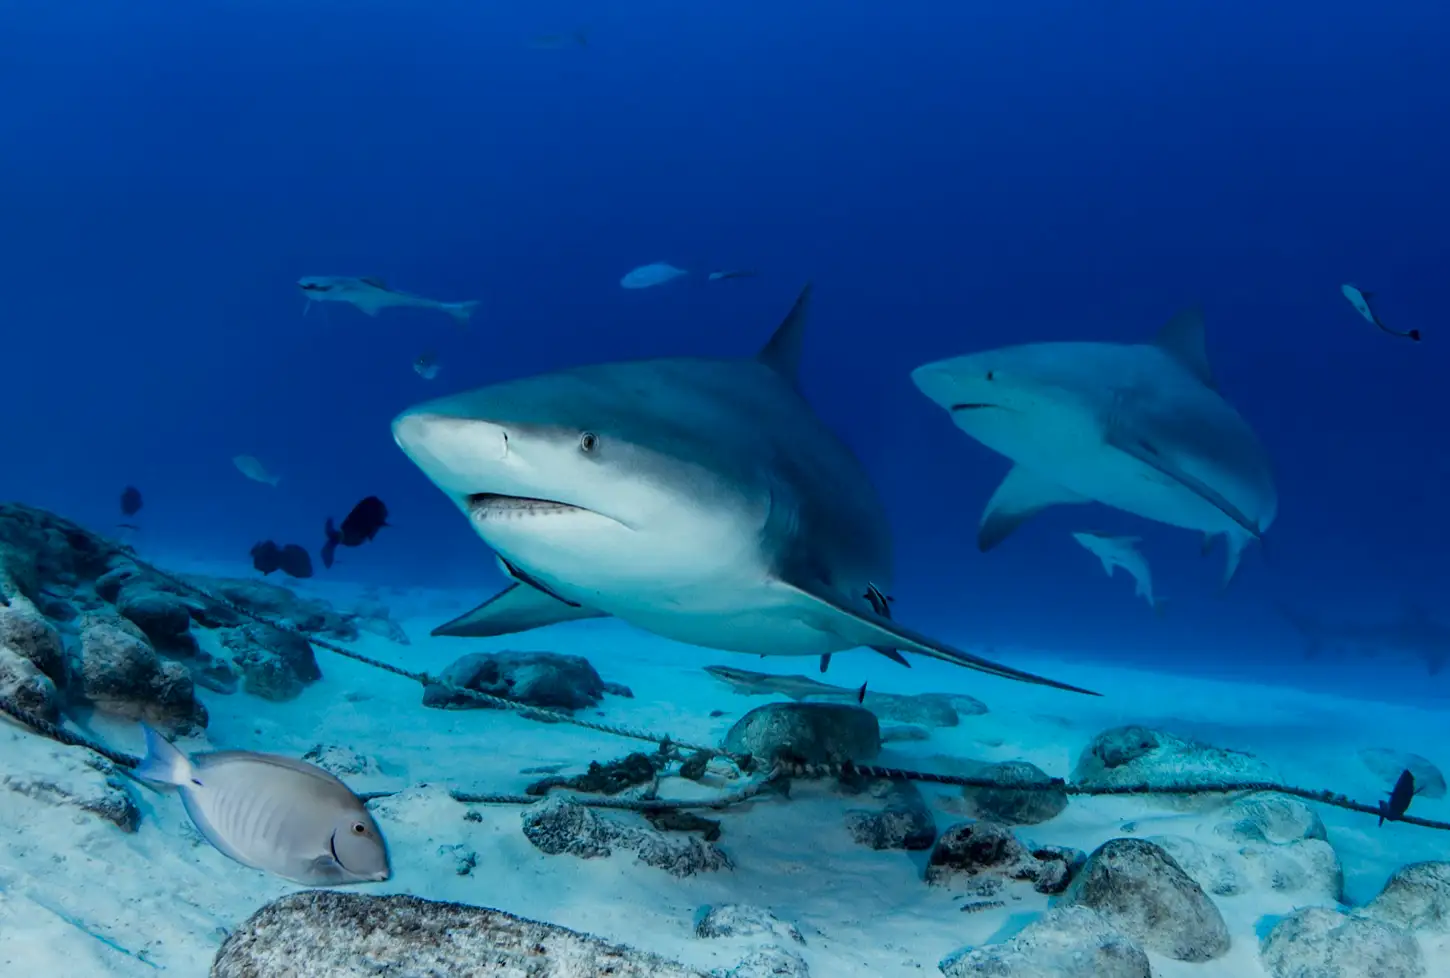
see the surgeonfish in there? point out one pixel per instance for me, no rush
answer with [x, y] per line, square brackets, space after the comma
[273, 813]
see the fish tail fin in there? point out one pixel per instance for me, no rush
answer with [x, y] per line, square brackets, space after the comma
[330, 547]
[462, 311]
[163, 763]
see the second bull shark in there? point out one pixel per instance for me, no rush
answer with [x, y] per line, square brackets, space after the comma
[1140, 427]
[700, 499]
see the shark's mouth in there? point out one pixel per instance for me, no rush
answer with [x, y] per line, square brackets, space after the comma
[495, 506]
[311, 287]
[972, 407]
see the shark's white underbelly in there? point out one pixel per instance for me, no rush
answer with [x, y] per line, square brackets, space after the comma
[1116, 479]
[708, 589]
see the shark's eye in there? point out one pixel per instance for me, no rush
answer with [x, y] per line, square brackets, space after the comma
[588, 442]
[359, 828]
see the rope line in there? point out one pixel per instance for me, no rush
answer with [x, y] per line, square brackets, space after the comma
[783, 769]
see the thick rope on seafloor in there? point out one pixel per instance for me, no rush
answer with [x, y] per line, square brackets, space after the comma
[782, 770]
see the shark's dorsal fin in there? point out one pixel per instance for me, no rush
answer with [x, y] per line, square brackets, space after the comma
[783, 352]
[1182, 339]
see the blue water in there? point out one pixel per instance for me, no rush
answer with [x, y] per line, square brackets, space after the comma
[952, 177]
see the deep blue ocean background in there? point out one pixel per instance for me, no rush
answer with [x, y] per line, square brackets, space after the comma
[952, 177]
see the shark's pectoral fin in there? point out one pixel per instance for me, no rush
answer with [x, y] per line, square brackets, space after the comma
[517, 608]
[891, 654]
[1022, 494]
[831, 613]
[1145, 452]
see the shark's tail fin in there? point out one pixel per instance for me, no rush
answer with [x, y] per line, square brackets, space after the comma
[462, 311]
[330, 547]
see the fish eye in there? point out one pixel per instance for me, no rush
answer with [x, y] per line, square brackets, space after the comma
[359, 828]
[588, 442]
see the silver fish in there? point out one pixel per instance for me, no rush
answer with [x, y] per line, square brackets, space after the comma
[273, 813]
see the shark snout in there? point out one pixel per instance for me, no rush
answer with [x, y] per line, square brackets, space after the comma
[939, 382]
[458, 454]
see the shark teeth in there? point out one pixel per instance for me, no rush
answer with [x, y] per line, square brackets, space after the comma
[493, 506]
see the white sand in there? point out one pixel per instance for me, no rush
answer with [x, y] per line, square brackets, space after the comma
[66, 877]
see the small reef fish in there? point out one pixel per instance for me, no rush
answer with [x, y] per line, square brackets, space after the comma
[360, 526]
[1400, 798]
[426, 366]
[731, 273]
[656, 273]
[556, 42]
[272, 813]
[291, 560]
[130, 501]
[1122, 552]
[253, 469]
[372, 294]
[1361, 302]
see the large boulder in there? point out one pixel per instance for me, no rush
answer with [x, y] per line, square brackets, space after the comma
[559, 826]
[1143, 892]
[1034, 802]
[1320, 943]
[327, 934]
[1417, 897]
[1134, 755]
[1068, 942]
[809, 733]
[121, 674]
[164, 618]
[988, 854]
[548, 679]
[275, 664]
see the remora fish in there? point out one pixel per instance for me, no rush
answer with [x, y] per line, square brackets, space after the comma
[372, 294]
[273, 813]
[1139, 427]
[1122, 552]
[699, 499]
[1361, 302]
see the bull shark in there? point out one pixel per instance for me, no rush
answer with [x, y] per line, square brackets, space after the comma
[699, 499]
[373, 294]
[1139, 427]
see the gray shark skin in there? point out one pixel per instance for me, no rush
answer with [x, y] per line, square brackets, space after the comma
[1139, 427]
[699, 499]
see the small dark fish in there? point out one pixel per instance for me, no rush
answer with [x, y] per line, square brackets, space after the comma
[861, 694]
[1399, 802]
[130, 501]
[266, 557]
[294, 561]
[360, 526]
